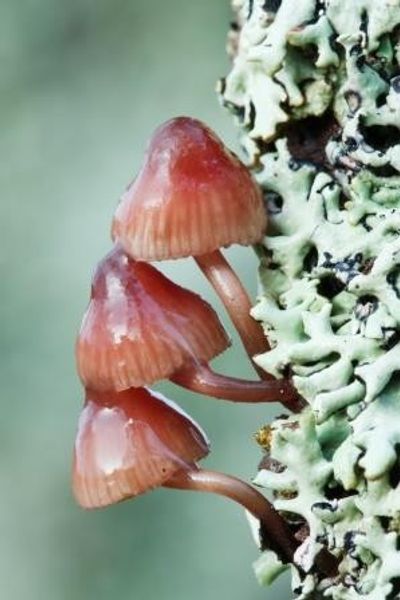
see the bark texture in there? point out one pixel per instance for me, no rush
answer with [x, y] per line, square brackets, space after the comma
[315, 89]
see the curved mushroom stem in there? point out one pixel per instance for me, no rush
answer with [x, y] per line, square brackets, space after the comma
[272, 524]
[199, 377]
[280, 537]
[237, 303]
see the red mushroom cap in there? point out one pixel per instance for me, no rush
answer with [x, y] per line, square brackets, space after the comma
[141, 327]
[131, 442]
[192, 196]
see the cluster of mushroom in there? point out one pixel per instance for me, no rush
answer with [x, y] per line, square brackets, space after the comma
[191, 197]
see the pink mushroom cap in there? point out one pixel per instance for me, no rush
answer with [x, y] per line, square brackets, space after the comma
[141, 327]
[191, 197]
[130, 442]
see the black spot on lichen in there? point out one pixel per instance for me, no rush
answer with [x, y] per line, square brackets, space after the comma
[384, 171]
[294, 165]
[395, 83]
[324, 506]
[394, 473]
[360, 62]
[252, 115]
[263, 146]
[330, 286]
[393, 279]
[385, 522]
[348, 541]
[342, 200]
[353, 100]
[366, 305]
[381, 100]
[351, 144]
[272, 5]
[319, 9]
[394, 594]
[364, 24]
[367, 265]
[274, 203]
[221, 85]
[356, 50]
[336, 492]
[274, 266]
[392, 339]
[364, 222]
[311, 259]
[380, 137]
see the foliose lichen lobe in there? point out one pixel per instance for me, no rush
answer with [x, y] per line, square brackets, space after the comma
[315, 86]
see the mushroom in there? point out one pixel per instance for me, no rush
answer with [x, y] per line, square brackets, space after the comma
[133, 441]
[141, 327]
[192, 197]
[130, 442]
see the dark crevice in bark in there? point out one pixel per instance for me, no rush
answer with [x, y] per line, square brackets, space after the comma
[380, 137]
[307, 138]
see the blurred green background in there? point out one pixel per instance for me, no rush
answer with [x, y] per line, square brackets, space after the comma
[83, 84]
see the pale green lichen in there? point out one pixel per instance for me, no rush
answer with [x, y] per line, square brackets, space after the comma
[329, 277]
[268, 567]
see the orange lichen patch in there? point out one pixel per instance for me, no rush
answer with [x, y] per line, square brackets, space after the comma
[140, 327]
[130, 442]
[263, 437]
[191, 197]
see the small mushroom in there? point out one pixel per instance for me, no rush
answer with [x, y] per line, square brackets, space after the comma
[133, 441]
[141, 327]
[130, 442]
[192, 197]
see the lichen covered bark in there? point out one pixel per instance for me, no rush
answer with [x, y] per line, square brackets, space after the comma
[315, 87]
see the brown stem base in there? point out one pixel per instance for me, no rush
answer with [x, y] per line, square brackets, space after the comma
[280, 539]
[279, 536]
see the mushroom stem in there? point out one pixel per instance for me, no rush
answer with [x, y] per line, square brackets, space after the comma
[272, 524]
[201, 480]
[237, 303]
[199, 377]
